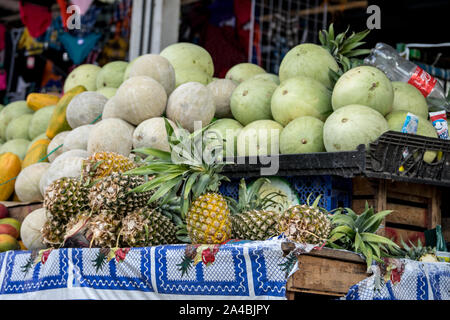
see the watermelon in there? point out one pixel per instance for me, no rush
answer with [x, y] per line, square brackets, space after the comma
[251, 99]
[364, 85]
[243, 71]
[349, 126]
[286, 196]
[308, 60]
[302, 135]
[409, 98]
[300, 96]
[259, 138]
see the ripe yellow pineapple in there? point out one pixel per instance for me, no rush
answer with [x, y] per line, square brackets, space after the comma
[103, 164]
[204, 210]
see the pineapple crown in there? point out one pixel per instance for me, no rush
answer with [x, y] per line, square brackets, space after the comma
[190, 169]
[357, 233]
[250, 198]
[415, 252]
[343, 49]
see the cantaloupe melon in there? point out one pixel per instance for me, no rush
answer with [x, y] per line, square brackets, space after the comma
[30, 231]
[156, 67]
[113, 134]
[222, 89]
[27, 183]
[152, 134]
[85, 108]
[140, 98]
[55, 147]
[191, 104]
[77, 138]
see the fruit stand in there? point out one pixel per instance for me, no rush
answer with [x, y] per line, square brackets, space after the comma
[153, 179]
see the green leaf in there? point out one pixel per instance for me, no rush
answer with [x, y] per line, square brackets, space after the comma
[163, 155]
[336, 237]
[358, 242]
[358, 52]
[371, 237]
[369, 256]
[343, 229]
[164, 189]
[343, 219]
[191, 180]
[375, 249]
[371, 225]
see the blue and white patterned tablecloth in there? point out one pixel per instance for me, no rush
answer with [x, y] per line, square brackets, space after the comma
[410, 280]
[235, 270]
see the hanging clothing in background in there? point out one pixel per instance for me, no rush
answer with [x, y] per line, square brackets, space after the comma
[2, 36]
[82, 4]
[242, 11]
[79, 48]
[37, 18]
[30, 44]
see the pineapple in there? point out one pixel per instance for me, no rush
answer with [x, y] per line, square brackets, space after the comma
[251, 220]
[103, 229]
[64, 199]
[114, 193]
[419, 252]
[146, 227]
[343, 49]
[185, 169]
[102, 164]
[305, 224]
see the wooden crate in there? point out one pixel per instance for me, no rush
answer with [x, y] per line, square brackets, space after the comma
[19, 210]
[416, 206]
[326, 272]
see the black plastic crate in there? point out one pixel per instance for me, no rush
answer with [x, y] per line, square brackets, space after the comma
[346, 164]
[385, 157]
[336, 191]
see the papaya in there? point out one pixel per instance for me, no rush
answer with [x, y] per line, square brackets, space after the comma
[58, 122]
[36, 152]
[10, 166]
[8, 243]
[36, 101]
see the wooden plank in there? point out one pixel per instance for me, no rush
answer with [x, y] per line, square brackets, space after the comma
[413, 189]
[408, 215]
[362, 187]
[434, 209]
[396, 234]
[326, 275]
[336, 254]
[392, 195]
[446, 229]
[359, 205]
[380, 204]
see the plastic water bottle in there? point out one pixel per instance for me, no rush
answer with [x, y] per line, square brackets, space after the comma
[397, 68]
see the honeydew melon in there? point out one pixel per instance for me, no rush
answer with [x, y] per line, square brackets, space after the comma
[111, 75]
[84, 75]
[287, 195]
[18, 128]
[39, 121]
[17, 146]
[224, 133]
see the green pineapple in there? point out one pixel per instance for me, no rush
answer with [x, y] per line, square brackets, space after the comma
[114, 193]
[185, 170]
[306, 223]
[419, 252]
[146, 227]
[251, 220]
[343, 49]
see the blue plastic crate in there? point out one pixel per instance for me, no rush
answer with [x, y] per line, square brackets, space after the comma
[336, 191]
